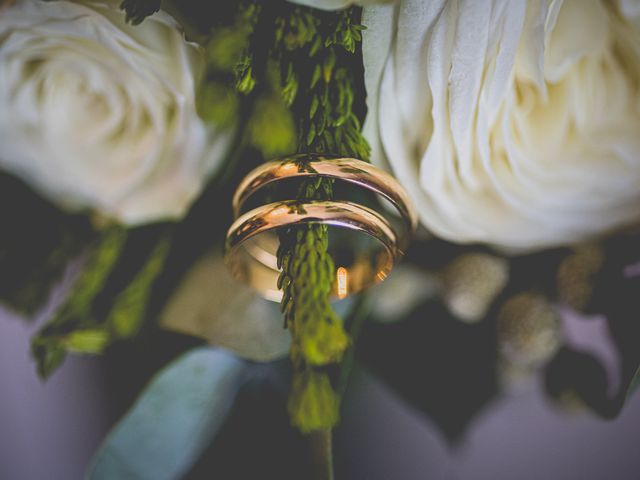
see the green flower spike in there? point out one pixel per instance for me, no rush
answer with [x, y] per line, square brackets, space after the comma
[313, 403]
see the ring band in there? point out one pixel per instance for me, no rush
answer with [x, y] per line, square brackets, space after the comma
[349, 170]
[364, 271]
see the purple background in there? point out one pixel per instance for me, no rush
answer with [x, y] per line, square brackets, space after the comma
[47, 430]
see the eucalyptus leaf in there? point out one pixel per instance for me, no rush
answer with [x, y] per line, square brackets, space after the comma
[174, 419]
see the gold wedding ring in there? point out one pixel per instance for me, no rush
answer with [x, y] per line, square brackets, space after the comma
[348, 170]
[365, 270]
[252, 241]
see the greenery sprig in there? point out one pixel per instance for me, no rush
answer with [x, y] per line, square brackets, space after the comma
[301, 77]
[316, 54]
[110, 297]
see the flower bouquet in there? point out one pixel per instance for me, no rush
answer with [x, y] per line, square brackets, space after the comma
[231, 185]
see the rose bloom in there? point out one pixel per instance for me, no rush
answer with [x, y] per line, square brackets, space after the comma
[511, 123]
[98, 114]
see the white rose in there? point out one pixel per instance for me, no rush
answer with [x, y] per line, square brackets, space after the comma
[95, 113]
[509, 122]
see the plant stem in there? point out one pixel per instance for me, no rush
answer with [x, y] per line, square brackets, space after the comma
[322, 454]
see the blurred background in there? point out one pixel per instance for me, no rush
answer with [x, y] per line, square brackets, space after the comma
[455, 426]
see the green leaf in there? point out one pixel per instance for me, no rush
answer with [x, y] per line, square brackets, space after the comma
[311, 134]
[48, 345]
[49, 355]
[102, 261]
[227, 45]
[174, 419]
[314, 107]
[246, 81]
[127, 314]
[109, 300]
[218, 104]
[92, 340]
[270, 128]
[317, 74]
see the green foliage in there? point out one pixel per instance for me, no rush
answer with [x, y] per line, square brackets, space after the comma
[228, 46]
[296, 70]
[270, 128]
[218, 104]
[228, 49]
[83, 324]
[91, 340]
[307, 276]
[48, 346]
[227, 54]
[231, 77]
[317, 53]
[137, 10]
[313, 403]
[300, 78]
[316, 57]
[246, 80]
[128, 310]
[297, 30]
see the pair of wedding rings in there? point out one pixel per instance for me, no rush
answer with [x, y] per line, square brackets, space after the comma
[252, 241]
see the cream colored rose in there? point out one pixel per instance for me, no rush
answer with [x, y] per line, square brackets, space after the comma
[98, 114]
[509, 122]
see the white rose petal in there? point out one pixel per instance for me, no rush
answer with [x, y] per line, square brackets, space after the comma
[510, 123]
[99, 114]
